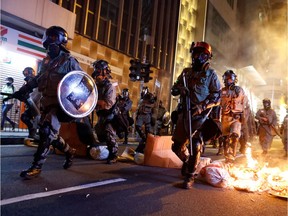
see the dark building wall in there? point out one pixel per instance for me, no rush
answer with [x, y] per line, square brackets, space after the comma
[120, 30]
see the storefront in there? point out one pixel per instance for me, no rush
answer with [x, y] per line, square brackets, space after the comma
[17, 51]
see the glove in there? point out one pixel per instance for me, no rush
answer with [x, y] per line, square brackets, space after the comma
[198, 109]
[19, 95]
[184, 91]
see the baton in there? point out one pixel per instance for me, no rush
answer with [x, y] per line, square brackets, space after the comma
[6, 94]
[188, 108]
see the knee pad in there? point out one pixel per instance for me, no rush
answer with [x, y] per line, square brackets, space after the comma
[60, 144]
[44, 131]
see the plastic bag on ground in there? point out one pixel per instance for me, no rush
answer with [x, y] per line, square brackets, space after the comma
[99, 152]
[204, 161]
[215, 175]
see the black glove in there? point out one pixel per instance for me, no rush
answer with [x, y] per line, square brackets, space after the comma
[198, 109]
[184, 91]
[19, 95]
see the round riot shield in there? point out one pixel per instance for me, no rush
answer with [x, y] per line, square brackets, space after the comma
[77, 94]
[166, 119]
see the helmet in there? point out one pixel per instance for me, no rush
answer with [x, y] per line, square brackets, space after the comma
[266, 103]
[55, 34]
[99, 67]
[201, 46]
[229, 78]
[201, 53]
[28, 72]
[144, 91]
[10, 79]
[125, 93]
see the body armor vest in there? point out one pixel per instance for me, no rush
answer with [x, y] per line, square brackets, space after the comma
[232, 100]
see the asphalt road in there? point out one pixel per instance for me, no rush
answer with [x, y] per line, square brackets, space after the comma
[94, 188]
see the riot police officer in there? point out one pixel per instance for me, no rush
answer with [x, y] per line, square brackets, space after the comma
[267, 122]
[54, 67]
[144, 116]
[199, 90]
[32, 104]
[105, 108]
[124, 104]
[233, 104]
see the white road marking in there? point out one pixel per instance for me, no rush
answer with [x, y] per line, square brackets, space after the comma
[54, 192]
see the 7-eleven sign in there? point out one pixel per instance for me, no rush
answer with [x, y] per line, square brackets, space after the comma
[17, 41]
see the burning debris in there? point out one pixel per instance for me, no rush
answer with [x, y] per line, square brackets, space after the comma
[250, 176]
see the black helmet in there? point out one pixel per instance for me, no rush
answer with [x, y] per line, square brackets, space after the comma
[144, 91]
[99, 67]
[201, 53]
[125, 93]
[55, 34]
[28, 71]
[229, 78]
[10, 79]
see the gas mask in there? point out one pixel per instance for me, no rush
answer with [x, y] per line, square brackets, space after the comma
[53, 50]
[267, 105]
[199, 60]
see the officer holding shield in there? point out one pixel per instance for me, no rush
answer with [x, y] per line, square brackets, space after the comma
[54, 67]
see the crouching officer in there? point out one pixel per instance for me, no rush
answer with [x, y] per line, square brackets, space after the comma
[105, 108]
[199, 90]
[54, 67]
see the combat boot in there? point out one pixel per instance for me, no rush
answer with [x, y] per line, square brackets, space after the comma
[220, 151]
[188, 182]
[184, 169]
[112, 159]
[140, 148]
[32, 133]
[125, 141]
[32, 172]
[69, 158]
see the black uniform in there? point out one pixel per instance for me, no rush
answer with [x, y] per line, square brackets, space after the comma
[200, 87]
[105, 108]
[32, 105]
[143, 117]
[54, 67]
[124, 104]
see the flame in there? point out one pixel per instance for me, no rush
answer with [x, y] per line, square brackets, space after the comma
[256, 177]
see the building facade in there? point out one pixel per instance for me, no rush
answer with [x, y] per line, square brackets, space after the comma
[159, 32]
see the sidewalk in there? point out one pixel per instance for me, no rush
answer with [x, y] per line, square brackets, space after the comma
[13, 137]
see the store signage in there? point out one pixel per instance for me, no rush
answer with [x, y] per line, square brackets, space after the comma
[20, 42]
